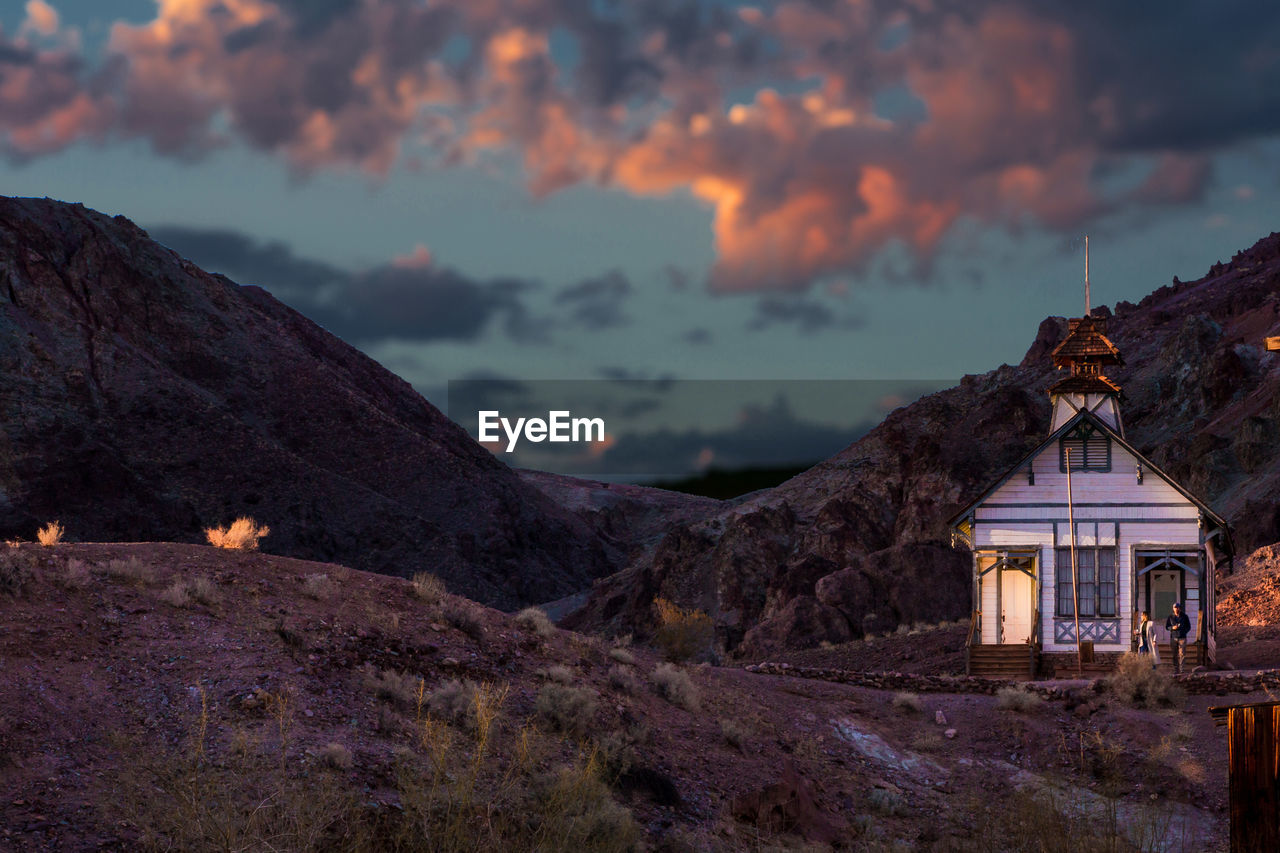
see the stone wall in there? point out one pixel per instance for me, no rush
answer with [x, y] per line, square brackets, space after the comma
[1199, 683]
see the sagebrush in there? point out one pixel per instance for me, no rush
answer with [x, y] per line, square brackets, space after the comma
[242, 535]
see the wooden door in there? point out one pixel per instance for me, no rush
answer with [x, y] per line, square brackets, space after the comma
[1017, 591]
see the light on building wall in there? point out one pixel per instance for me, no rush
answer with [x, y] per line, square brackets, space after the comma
[1138, 470]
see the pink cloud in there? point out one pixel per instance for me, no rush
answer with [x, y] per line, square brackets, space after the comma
[803, 178]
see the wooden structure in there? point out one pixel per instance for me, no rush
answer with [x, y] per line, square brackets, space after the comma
[1083, 533]
[1273, 344]
[1253, 752]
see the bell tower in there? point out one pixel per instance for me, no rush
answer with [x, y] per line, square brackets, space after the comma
[1086, 352]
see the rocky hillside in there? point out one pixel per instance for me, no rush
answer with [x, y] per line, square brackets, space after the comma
[859, 542]
[144, 399]
[178, 697]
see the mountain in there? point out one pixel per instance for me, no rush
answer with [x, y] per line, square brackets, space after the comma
[142, 398]
[859, 543]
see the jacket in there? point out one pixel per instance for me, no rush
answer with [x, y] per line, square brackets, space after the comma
[1178, 626]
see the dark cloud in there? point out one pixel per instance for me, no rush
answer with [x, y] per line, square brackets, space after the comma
[807, 315]
[414, 303]
[597, 303]
[699, 336]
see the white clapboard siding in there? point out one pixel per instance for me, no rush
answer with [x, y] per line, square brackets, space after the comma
[1119, 485]
[1013, 535]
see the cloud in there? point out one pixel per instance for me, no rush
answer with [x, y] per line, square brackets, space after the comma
[807, 315]
[767, 115]
[420, 302]
[596, 303]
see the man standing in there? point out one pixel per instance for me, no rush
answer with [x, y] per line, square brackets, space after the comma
[1178, 626]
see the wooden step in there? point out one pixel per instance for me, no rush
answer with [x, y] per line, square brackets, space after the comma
[1012, 661]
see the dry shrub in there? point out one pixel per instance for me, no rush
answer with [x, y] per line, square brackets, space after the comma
[535, 621]
[624, 678]
[454, 701]
[176, 595]
[683, 634]
[317, 586]
[50, 534]
[675, 685]
[75, 574]
[909, 702]
[132, 571]
[1046, 820]
[242, 535]
[398, 688]
[461, 616]
[184, 593]
[1019, 700]
[428, 588]
[569, 709]
[1136, 684]
[886, 802]
[15, 571]
[505, 789]
[622, 655]
[735, 732]
[336, 756]
[558, 673]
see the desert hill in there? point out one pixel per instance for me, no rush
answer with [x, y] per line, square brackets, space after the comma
[144, 399]
[858, 543]
[173, 696]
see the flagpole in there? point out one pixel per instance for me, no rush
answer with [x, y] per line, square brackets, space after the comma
[1075, 588]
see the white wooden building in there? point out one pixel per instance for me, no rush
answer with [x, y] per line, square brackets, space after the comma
[1142, 542]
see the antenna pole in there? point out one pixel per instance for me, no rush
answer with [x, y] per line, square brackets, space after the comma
[1087, 308]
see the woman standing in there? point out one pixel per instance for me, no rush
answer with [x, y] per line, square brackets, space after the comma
[1147, 644]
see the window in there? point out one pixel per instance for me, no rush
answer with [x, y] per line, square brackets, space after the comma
[1096, 576]
[1088, 447]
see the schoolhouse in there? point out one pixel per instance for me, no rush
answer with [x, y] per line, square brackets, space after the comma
[1084, 533]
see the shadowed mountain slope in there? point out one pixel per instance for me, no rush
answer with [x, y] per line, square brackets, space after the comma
[144, 399]
[859, 542]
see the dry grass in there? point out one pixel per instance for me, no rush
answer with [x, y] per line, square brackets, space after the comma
[242, 535]
[569, 709]
[735, 732]
[463, 617]
[75, 574]
[454, 701]
[683, 634]
[908, 702]
[132, 571]
[622, 655]
[1019, 700]
[624, 678]
[1136, 684]
[317, 586]
[559, 673]
[535, 621]
[185, 593]
[50, 534]
[15, 571]
[675, 685]
[336, 756]
[428, 588]
[508, 787]
[399, 688]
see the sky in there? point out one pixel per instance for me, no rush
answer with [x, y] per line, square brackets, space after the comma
[691, 189]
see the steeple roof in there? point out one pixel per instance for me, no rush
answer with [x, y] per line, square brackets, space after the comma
[1082, 383]
[1085, 342]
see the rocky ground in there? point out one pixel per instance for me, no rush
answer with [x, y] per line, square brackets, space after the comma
[182, 696]
[1249, 611]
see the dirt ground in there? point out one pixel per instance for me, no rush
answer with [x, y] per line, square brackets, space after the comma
[101, 666]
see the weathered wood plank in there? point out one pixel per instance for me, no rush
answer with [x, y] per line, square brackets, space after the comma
[1273, 344]
[1253, 754]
